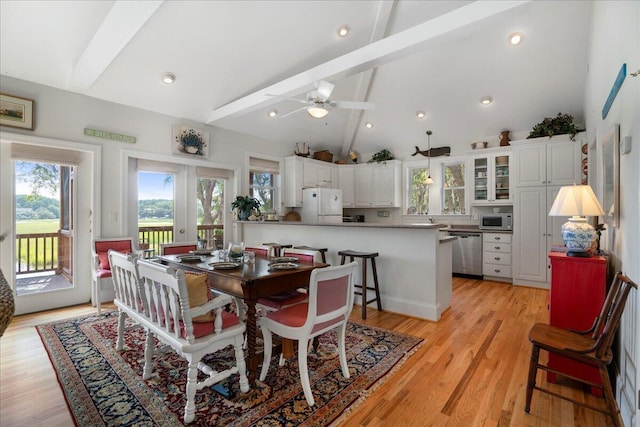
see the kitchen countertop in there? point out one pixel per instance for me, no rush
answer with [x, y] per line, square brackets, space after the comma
[422, 226]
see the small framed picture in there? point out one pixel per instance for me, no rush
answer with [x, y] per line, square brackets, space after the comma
[191, 141]
[16, 111]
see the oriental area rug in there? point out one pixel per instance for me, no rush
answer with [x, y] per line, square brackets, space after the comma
[104, 387]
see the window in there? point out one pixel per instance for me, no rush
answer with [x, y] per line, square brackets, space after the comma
[453, 191]
[262, 182]
[418, 203]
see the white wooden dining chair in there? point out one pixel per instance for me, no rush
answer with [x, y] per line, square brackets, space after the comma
[176, 248]
[126, 283]
[100, 269]
[329, 306]
[171, 319]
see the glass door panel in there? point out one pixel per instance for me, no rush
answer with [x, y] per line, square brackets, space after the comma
[481, 179]
[501, 174]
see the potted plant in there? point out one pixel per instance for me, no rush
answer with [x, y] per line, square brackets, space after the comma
[381, 156]
[191, 142]
[244, 205]
[559, 125]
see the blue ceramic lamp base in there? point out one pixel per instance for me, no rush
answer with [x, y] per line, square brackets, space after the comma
[579, 236]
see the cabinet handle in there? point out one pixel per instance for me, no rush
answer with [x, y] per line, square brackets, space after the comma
[497, 238]
[496, 270]
[496, 247]
[497, 258]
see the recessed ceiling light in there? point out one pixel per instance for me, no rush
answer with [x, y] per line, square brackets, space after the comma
[168, 78]
[486, 100]
[420, 114]
[343, 31]
[368, 125]
[272, 113]
[516, 38]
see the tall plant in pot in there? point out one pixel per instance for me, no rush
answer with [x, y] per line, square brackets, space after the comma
[244, 206]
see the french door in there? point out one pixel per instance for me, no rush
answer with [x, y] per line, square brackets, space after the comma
[57, 260]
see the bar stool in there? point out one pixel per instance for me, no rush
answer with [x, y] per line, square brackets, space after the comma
[277, 247]
[364, 256]
[309, 248]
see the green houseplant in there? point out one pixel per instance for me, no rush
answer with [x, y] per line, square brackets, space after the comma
[244, 205]
[381, 156]
[559, 125]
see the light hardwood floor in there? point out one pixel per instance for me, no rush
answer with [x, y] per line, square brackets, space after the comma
[470, 371]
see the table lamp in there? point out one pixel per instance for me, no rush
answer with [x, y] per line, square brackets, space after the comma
[577, 201]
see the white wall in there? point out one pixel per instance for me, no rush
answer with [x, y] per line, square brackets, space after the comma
[615, 39]
[64, 115]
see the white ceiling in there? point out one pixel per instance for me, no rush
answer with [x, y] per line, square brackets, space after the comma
[439, 57]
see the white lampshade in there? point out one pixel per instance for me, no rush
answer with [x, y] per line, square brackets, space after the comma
[577, 201]
[317, 112]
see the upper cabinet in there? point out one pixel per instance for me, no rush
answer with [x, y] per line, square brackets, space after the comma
[346, 179]
[544, 161]
[300, 173]
[378, 185]
[491, 182]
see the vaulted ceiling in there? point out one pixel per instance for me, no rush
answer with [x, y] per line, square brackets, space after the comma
[438, 57]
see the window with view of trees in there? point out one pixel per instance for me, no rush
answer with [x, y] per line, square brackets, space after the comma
[453, 191]
[263, 175]
[418, 193]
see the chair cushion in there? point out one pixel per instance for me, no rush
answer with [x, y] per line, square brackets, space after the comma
[293, 316]
[199, 293]
[103, 274]
[183, 249]
[201, 329]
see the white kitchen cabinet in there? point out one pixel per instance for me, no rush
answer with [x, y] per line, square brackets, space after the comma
[542, 166]
[300, 172]
[346, 180]
[496, 256]
[386, 178]
[363, 186]
[378, 185]
[544, 161]
[316, 172]
[491, 180]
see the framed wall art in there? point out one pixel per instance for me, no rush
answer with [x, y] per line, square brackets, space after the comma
[611, 176]
[16, 111]
[190, 141]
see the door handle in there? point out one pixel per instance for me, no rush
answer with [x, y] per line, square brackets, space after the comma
[1, 237]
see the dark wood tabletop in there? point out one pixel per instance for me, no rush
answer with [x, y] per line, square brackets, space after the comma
[249, 282]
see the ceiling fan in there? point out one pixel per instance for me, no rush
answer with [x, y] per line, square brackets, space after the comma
[318, 103]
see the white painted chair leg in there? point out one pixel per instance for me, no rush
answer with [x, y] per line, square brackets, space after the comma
[268, 343]
[192, 381]
[120, 339]
[147, 370]
[242, 366]
[342, 350]
[304, 373]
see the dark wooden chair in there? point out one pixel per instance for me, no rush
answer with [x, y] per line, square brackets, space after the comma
[591, 347]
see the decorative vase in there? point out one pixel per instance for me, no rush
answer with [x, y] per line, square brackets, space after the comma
[578, 235]
[191, 149]
[243, 215]
[504, 138]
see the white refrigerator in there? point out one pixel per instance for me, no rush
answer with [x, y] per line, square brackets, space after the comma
[321, 205]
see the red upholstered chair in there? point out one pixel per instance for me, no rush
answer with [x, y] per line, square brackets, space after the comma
[330, 303]
[100, 268]
[259, 250]
[175, 248]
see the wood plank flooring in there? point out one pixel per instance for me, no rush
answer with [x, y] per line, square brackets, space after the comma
[470, 371]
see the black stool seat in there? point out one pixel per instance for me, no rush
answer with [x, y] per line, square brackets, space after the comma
[309, 248]
[371, 256]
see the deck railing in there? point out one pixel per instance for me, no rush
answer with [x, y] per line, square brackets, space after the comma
[38, 252]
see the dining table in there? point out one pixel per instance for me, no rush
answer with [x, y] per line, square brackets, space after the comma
[249, 281]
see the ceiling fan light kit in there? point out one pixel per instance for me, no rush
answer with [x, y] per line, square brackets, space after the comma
[317, 112]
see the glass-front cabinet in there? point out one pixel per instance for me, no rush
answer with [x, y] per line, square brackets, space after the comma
[491, 179]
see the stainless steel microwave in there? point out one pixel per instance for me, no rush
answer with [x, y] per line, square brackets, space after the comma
[496, 221]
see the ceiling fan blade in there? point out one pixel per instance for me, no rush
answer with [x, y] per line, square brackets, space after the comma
[324, 90]
[353, 105]
[292, 112]
[288, 98]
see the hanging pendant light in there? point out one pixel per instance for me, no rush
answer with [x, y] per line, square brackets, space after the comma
[429, 180]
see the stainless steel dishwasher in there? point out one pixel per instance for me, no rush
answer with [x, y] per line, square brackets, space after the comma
[467, 253]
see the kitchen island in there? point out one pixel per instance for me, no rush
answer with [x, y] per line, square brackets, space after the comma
[414, 266]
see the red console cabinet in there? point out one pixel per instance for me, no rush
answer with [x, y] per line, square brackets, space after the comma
[578, 290]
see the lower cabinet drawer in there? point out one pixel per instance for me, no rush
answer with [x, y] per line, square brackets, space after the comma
[496, 258]
[496, 270]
